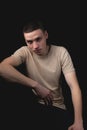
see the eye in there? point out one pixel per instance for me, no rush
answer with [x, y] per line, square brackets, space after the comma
[29, 41]
[38, 39]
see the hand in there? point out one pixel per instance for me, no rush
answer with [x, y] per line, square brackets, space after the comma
[76, 126]
[44, 93]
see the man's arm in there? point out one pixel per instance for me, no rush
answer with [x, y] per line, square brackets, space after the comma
[72, 81]
[9, 72]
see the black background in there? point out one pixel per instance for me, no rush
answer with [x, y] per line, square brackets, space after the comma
[66, 24]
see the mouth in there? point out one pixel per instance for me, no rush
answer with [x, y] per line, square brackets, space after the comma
[37, 51]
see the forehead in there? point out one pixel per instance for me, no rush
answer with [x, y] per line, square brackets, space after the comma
[34, 34]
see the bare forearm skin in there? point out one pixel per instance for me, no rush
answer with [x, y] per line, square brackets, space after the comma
[77, 103]
[12, 74]
[9, 72]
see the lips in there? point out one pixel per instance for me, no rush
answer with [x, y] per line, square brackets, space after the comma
[37, 51]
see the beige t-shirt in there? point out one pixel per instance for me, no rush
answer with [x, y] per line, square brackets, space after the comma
[47, 69]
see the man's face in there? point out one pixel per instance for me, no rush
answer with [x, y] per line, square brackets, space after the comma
[36, 41]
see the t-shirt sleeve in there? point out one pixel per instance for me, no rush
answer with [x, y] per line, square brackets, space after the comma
[66, 61]
[20, 55]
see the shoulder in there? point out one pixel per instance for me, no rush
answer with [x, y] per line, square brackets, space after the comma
[60, 49]
[23, 49]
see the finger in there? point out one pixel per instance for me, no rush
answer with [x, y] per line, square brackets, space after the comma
[45, 101]
[48, 101]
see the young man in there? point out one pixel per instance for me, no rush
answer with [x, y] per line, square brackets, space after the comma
[44, 64]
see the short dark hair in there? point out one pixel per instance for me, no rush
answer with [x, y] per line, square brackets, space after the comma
[34, 25]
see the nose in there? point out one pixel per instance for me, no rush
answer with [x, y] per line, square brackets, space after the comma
[35, 46]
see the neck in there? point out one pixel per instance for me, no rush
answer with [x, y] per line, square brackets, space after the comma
[48, 49]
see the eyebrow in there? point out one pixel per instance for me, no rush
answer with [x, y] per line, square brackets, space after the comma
[29, 40]
[34, 39]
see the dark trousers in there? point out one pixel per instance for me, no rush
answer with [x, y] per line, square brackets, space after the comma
[19, 110]
[49, 117]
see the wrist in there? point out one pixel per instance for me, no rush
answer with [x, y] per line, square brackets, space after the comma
[78, 121]
[34, 84]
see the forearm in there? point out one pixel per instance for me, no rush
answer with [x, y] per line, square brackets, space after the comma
[77, 104]
[10, 73]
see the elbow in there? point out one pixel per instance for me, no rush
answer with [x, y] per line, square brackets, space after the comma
[2, 68]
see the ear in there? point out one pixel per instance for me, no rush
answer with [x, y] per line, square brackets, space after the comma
[46, 34]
